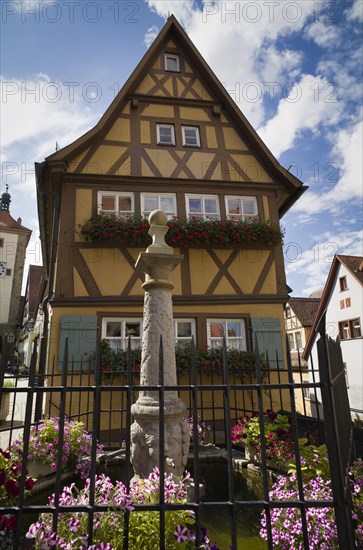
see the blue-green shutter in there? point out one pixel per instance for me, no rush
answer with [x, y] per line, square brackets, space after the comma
[82, 336]
[267, 330]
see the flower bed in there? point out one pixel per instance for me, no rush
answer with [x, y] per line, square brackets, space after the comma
[286, 523]
[108, 525]
[193, 232]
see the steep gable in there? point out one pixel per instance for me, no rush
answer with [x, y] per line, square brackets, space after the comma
[125, 141]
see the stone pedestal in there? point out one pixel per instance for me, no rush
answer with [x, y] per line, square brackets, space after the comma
[158, 262]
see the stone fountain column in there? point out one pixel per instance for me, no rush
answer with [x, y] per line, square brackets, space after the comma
[157, 263]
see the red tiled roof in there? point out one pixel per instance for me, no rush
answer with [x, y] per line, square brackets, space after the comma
[8, 220]
[354, 265]
[305, 309]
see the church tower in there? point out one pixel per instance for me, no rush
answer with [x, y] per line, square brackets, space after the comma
[14, 239]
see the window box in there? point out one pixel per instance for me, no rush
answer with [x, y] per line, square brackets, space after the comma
[183, 233]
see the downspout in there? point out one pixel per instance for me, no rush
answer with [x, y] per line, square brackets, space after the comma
[51, 276]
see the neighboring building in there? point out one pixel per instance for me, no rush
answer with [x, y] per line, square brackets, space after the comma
[342, 300]
[172, 139]
[30, 326]
[299, 317]
[14, 238]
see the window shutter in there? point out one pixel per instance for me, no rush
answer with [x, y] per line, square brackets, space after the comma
[267, 330]
[82, 336]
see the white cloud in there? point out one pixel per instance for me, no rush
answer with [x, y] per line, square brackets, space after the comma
[348, 150]
[307, 107]
[323, 34]
[278, 65]
[35, 114]
[315, 261]
[356, 11]
[150, 35]
[347, 155]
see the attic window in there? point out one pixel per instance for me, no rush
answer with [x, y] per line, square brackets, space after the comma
[343, 283]
[172, 63]
[190, 136]
[165, 134]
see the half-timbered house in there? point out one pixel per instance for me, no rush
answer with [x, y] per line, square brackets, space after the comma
[173, 139]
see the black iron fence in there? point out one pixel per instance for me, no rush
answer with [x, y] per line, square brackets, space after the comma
[224, 401]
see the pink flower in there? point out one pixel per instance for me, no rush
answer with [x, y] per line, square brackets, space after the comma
[181, 533]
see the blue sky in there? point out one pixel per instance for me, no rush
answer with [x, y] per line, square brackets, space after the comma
[293, 67]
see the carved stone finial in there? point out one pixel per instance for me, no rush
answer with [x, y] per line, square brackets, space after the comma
[158, 229]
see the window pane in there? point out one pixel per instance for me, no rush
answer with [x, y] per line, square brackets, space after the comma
[184, 329]
[210, 206]
[190, 136]
[234, 206]
[249, 207]
[166, 134]
[107, 203]
[133, 330]
[124, 204]
[216, 330]
[150, 204]
[356, 329]
[167, 204]
[234, 330]
[113, 329]
[195, 205]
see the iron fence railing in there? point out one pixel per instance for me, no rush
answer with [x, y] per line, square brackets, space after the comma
[219, 398]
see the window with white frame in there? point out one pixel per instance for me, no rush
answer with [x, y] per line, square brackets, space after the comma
[291, 340]
[202, 206]
[232, 330]
[118, 331]
[119, 203]
[172, 62]
[350, 329]
[241, 208]
[298, 340]
[184, 330]
[165, 134]
[162, 201]
[191, 137]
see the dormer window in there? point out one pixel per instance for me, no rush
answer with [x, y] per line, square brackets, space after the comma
[165, 134]
[172, 63]
[190, 136]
